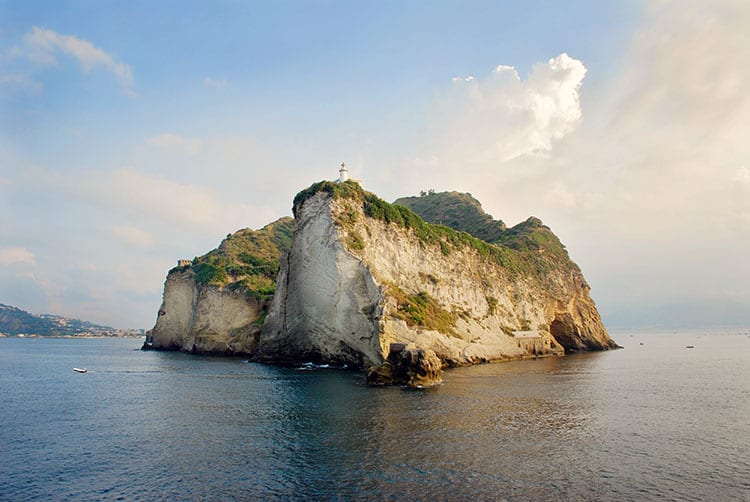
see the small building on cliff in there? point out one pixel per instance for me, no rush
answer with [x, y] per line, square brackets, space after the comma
[344, 175]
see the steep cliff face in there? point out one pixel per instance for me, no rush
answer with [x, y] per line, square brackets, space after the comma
[205, 319]
[363, 274]
[536, 245]
[358, 276]
[327, 304]
[218, 303]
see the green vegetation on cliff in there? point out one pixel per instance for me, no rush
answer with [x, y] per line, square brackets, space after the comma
[537, 244]
[534, 243]
[378, 209]
[529, 248]
[247, 260]
[421, 310]
[459, 211]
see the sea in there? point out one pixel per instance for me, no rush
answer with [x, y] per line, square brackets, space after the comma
[656, 420]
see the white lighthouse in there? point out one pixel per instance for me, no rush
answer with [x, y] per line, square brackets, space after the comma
[343, 173]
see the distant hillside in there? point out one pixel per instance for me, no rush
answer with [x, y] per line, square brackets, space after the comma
[14, 321]
[539, 248]
[459, 211]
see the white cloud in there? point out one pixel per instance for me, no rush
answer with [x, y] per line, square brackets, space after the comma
[742, 176]
[215, 82]
[500, 117]
[20, 81]
[174, 143]
[650, 190]
[561, 195]
[553, 95]
[45, 43]
[16, 256]
[154, 200]
[133, 236]
[501, 67]
[187, 204]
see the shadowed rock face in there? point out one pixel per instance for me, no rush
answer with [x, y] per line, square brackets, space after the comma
[409, 366]
[216, 303]
[359, 275]
[205, 320]
[326, 305]
[362, 274]
[571, 337]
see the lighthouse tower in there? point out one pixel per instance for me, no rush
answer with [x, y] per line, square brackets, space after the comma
[343, 173]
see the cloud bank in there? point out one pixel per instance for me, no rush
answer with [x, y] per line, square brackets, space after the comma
[16, 256]
[646, 175]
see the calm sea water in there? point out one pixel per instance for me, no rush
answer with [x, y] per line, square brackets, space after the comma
[652, 422]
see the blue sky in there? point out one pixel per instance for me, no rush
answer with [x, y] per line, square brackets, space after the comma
[136, 133]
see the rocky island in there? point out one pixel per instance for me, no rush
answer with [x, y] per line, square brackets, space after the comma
[403, 289]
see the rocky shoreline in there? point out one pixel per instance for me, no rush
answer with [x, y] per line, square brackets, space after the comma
[356, 281]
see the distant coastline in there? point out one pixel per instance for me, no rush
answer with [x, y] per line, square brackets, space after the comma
[136, 333]
[15, 322]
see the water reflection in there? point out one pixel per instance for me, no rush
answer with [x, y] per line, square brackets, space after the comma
[487, 427]
[323, 434]
[651, 422]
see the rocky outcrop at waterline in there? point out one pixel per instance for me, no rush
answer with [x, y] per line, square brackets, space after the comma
[352, 275]
[407, 365]
[216, 303]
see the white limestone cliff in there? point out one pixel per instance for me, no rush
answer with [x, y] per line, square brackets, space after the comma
[327, 305]
[351, 285]
[204, 319]
[337, 298]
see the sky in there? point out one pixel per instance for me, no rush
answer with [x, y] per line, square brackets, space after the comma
[133, 134]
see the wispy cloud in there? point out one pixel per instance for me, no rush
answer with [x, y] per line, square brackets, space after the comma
[216, 83]
[20, 81]
[44, 45]
[133, 236]
[175, 143]
[188, 204]
[16, 256]
[742, 176]
[156, 200]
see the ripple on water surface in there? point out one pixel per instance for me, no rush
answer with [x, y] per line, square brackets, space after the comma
[651, 421]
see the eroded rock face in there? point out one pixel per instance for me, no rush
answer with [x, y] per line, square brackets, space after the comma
[574, 337]
[351, 283]
[205, 319]
[344, 288]
[327, 304]
[407, 365]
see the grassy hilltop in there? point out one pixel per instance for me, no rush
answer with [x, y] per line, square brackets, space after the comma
[247, 260]
[459, 211]
[533, 242]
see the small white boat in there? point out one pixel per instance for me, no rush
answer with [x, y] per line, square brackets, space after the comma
[80, 370]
